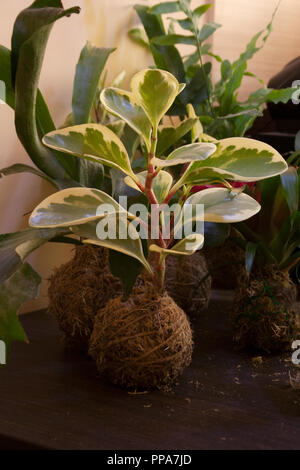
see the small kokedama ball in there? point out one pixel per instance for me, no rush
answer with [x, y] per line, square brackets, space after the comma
[78, 289]
[188, 282]
[264, 314]
[142, 343]
[225, 263]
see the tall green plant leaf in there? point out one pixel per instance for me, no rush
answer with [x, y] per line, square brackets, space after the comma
[88, 71]
[31, 31]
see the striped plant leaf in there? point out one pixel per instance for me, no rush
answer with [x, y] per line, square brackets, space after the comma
[73, 206]
[186, 246]
[186, 154]
[93, 142]
[161, 184]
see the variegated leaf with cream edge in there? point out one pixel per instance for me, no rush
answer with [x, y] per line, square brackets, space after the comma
[73, 206]
[236, 159]
[168, 136]
[131, 246]
[186, 154]
[124, 105]
[187, 246]
[155, 90]
[224, 206]
[161, 184]
[93, 142]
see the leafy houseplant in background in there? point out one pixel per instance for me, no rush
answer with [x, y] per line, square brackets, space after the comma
[265, 316]
[217, 104]
[146, 340]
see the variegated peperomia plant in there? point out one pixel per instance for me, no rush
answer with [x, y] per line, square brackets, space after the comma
[81, 209]
[76, 158]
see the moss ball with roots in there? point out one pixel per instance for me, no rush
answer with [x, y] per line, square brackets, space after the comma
[188, 282]
[78, 289]
[264, 315]
[142, 343]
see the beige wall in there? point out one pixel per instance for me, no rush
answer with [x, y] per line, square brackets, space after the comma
[106, 23]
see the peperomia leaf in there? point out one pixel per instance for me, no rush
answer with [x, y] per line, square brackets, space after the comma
[130, 246]
[155, 90]
[22, 286]
[168, 136]
[31, 31]
[161, 184]
[93, 142]
[237, 159]
[124, 105]
[188, 153]
[223, 206]
[186, 246]
[88, 71]
[73, 206]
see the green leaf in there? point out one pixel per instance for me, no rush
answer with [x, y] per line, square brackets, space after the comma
[290, 184]
[187, 246]
[93, 142]
[125, 105]
[138, 35]
[126, 268]
[223, 206]
[164, 7]
[251, 249]
[88, 71]
[199, 11]
[22, 286]
[44, 120]
[161, 184]
[155, 91]
[91, 174]
[31, 31]
[186, 154]
[172, 39]
[165, 57]
[20, 168]
[15, 247]
[207, 30]
[130, 246]
[73, 206]
[168, 136]
[237, 159]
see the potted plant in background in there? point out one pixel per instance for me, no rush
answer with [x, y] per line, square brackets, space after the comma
[264, 314]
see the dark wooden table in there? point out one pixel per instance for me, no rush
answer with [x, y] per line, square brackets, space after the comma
[52, 398]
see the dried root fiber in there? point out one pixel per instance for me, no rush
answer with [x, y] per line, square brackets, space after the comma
[142, 343]
[264, 315]
[78, 289]
[188, 282]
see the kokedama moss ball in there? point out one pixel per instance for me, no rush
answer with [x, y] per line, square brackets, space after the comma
[78, 289]
[264, 315]
[142, 343]
[225, 263]
[188, 282]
